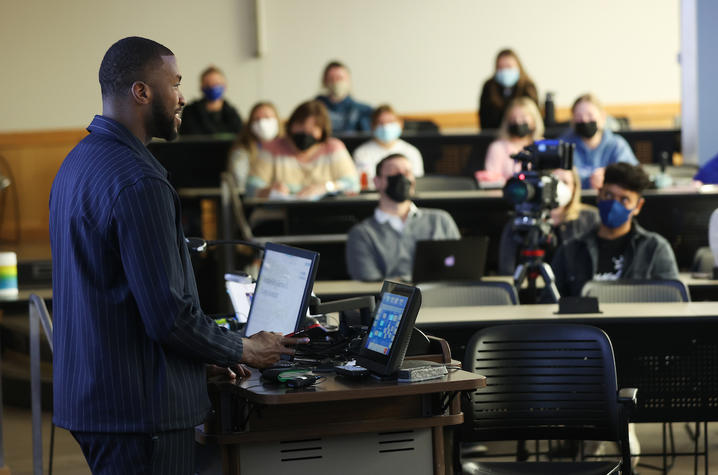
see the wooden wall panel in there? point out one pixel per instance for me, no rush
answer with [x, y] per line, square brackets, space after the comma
[641, 116]
[33, 158]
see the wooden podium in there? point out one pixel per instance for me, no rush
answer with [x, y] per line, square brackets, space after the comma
[340, 425]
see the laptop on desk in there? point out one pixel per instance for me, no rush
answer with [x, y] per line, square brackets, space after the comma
[284, 285]
[463, 259]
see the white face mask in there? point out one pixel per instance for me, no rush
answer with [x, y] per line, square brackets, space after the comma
[563, 194]
[266, 128]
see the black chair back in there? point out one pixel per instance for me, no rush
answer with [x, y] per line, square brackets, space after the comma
[444, 183]
[453, 294]
[629, 290]
[544, 382]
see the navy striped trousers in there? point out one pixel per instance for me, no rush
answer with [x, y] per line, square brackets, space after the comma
[170, 452]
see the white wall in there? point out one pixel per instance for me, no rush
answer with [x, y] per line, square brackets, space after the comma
[420, 55]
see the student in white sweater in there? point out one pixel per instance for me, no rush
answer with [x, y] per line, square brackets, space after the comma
[386, 128]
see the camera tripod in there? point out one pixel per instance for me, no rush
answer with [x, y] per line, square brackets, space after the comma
[532, 264]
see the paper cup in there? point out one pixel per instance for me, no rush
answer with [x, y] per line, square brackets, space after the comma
[8, 273]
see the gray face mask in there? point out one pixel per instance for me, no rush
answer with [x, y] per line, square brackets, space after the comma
[398, 188]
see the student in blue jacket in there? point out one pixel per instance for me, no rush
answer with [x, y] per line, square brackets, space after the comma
[596, 146]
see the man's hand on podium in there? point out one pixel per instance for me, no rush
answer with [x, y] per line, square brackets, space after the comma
[264, 349]
[231, 372]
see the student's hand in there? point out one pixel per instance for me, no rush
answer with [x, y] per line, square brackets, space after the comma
[312, 190]
[280, 187]
[597, 178]
[263, 349]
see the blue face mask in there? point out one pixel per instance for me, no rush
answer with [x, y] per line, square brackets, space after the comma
[213, 93]
[613, 214]
[507, 77]
[388, 132]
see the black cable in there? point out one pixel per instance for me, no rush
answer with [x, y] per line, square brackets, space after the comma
[449, 399]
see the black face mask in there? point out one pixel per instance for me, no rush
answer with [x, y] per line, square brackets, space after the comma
[303, 141]
[398, 188]
[586, 129]
[519, 130]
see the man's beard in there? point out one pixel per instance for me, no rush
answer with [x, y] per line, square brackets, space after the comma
[162, 122]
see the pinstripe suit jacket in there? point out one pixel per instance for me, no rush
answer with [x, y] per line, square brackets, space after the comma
[131, 341]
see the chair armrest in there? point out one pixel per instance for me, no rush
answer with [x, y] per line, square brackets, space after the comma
[628, 397]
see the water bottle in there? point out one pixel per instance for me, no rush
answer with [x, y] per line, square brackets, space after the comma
[549, 111]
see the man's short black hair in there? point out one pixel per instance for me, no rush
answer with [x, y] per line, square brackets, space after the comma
[386, 159]
[625, 175]
[126, 62]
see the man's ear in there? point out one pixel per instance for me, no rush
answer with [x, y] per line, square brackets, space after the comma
[377, 180]
[639, 206]
[141, 92]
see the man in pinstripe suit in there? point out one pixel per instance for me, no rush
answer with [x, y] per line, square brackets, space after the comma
[131, 341]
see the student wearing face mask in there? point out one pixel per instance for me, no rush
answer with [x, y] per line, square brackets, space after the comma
[383, 246]
[262, 128]
[596, 145]
[509, 82]
[212, 114]
[386, 128]
[307, 163]
[522, 125]
[618, 248]
[346, 114]
[570, 219]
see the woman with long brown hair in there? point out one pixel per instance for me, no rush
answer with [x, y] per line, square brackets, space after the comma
[263, 127]
[307, 163]
[508, 82]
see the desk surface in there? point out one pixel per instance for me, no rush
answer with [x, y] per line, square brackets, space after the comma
[440, 316]
[680, 215]
[337, 388]
[349, 288]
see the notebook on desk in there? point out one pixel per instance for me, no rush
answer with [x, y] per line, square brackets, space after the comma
[462, 259]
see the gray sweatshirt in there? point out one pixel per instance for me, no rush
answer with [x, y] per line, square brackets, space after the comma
[376, 251]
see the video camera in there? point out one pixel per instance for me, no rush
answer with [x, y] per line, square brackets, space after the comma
[533, 191]
[534, 188]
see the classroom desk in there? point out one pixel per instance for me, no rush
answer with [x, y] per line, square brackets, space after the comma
[681, 216]
[362, 426]
[668, 351]
[700, 289]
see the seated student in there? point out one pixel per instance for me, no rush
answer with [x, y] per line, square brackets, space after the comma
[708, 173]
[386, 127]
[522, 125]
[570, 219]
[347, 115]
[596, 145]
[619, 248]
[263, 127]
[307, 163]
[212, 114]
[383, 246]
[508, 82]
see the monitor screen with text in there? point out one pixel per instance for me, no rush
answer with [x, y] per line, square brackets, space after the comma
[283, 287]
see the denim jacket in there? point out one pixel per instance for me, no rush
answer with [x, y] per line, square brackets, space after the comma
[647, 256]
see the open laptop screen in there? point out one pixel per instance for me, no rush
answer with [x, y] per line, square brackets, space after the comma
[281, 295]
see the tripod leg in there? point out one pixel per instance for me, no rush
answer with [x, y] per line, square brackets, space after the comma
[520, 275]
[548, 280]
